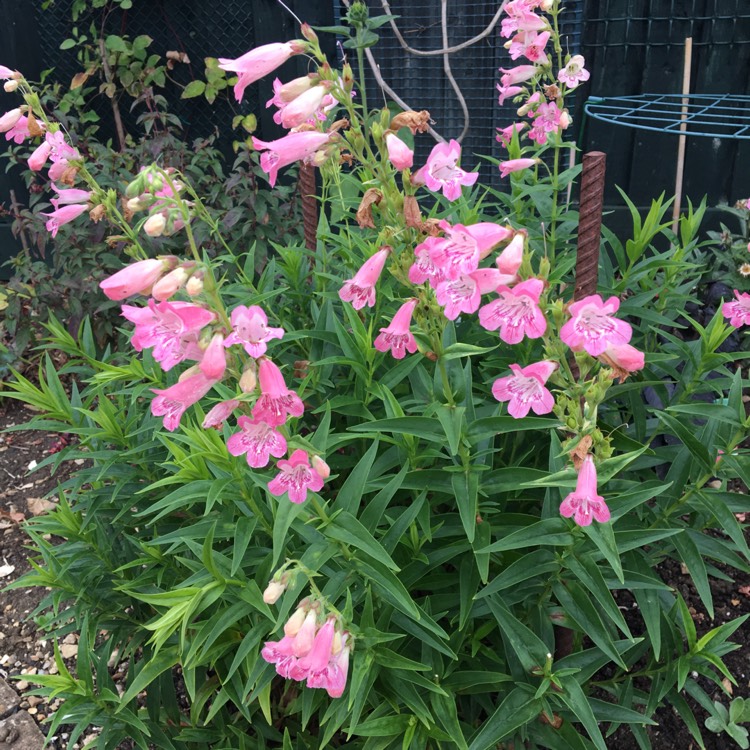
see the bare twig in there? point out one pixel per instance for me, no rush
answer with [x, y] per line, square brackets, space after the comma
[17, 214]
[447, 68]
[115, 109]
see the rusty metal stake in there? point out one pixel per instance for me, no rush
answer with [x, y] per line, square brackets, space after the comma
[590, 223]
[309, 205]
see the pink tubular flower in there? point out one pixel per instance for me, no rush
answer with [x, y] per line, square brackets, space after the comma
[315, 662]
[524, 389]
[334, 677]
[305, 637]
[399, 154]
[9, 120]
[516, 313]
[276, 401]
[737, 311]
[521, 18]
[283, 93]
[259, 62]
[584, 503]
[508, 92]
[304, 107]
[360, 290]
[70, 196]
[214, 361]
[172, 402]
[592, 326]
[20, 131]
[505, 135]
[510, 259]
[60, 153]
[220, 413]
[515, 165]
[6, 73]
[547, 118]
[519, 74]
[296, 477]
[424, 268]
[250, 329]
[459, 252]
[397, 337]
[442, 173]
[63, 215]
[574, 73]
[530, 45]
[39, 157]
[464, 294]
[258, 440]
[134, 279]
[287, 150]
[623, 359]
[171, 328]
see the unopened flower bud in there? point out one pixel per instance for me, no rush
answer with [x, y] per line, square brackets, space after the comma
[194, 285]
[273, 592]
[321, 467]
[249, 379]
[546, 5]
[565, 119]
[294, 623]
[169, 284]
[155, 225]
[10, 86]
[308, 33]
[194, 370]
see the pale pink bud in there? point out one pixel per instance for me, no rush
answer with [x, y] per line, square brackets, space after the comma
[249, 378]
[133, 279]
[510, 259]
[305, 637]
[169, 284]
[5, 73]
[9, 119]
[565, 119]
[321, 467]
[294, 623]
[39, 158]
[519, 74]
[273, 592]
[399, 154]
[10, 86]
[623, 357]
[291, 90]
[515, 165]
[301, 109]
[531, 102]
[155, 225]
[214, 361]
[220, 413]
[194, 286]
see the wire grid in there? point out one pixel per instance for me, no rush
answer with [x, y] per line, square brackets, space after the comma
[421, 81]
[657, 23]
[187, 26]
[726, 116]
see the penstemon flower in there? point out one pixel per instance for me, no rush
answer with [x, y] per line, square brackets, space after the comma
[220, 413]
[258, 441]
[360, 290]
[296, 477]
[136, 278]
[399, 154]
[464, 293]
[276, 401]
[584, 504]
[172, 402]
[397, 337]
[737, 311]
[516, 313]
[441, 172]
[574, 73]
[592, 326]
[289, 149]
[63, 216]
[250, 329]
[524, 389]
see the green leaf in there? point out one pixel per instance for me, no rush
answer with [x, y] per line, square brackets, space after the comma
[389, 587]
[350, 494]
[347, 529]
[530, 650]
[481, 429]
[574, 698]
[387, 658]
[691, 556]
[603, 536]
[466, 489]
[193, 89]
[549, 532]
[452, 419]
[687, 436]
[115, 43]
[164, 660]
[517, 709]
[532, 564]
[286, 512]
[423, 427]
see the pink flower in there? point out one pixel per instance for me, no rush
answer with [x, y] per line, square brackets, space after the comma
[737, 312]
[507, 92]
[574, 73]
[296, 477]
[133, 279]
[530, 45]
[442, 173]
[171, 328]
[460, 251]
[303, 107]
[623, 358]
[280, 654]
[170, 284]
[525, 390]
[305, 636]
[250, 328]
[464, 294]
[258, 440]
[315, 663]
[220, 413]
[546, 120]
[287, 150]
[63, 215]
[592, 326]
[172, 402]
[519, 74]
[6, 73]
[334, 677]
[360, 290]
[20, 131]
[424, 268]
[521, 18]
[214, 361]
[60, 153]
[283, 93]
[321, 467]
[516, 313]
[276, 401]
[397, 337]
[584, 503]
[9, 120]
[39, 157]
[510, 259]
[259, 62]
[515, 165]
[505, 135]
[399, 154]
[70, 196]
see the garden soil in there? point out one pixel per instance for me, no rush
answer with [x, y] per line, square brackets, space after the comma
[23, 651]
